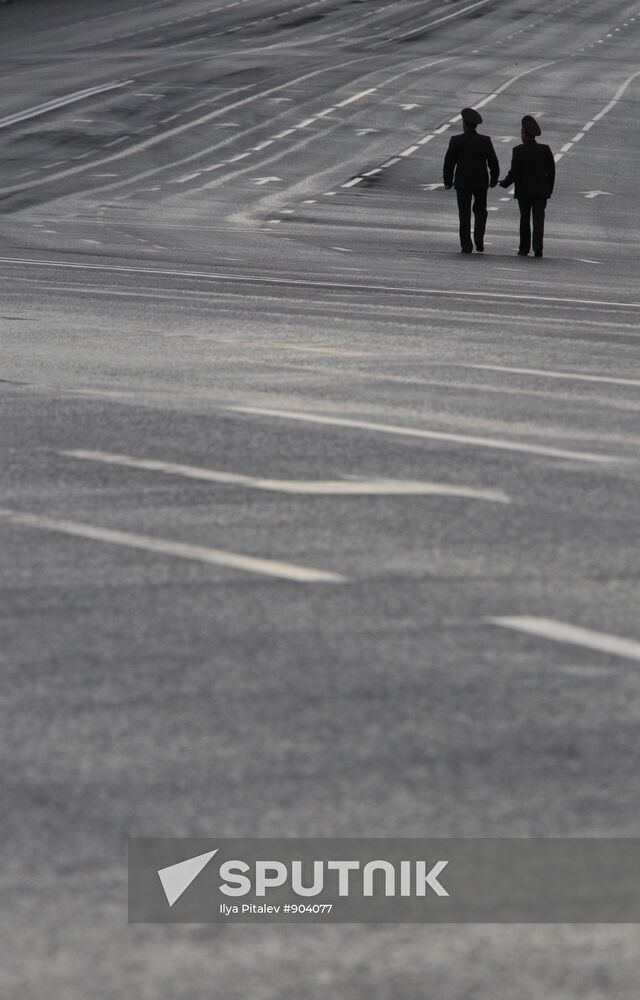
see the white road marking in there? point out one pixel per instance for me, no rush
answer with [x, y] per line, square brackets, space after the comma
[258, 279]
[180, 550]
[574, 635]
[61, 102]
[596, 118]
[337, 487]
[440, 20]
[419, 432]
[177, 130]
[576, 376]
[356, 97]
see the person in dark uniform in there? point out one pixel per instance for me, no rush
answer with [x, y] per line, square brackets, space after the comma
[533, 170]
[472, 166]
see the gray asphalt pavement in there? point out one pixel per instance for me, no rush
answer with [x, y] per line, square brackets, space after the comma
[311, 526]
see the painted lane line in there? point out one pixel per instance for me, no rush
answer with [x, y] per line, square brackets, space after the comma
[440, 20]
[525, 299]
[353, 182]
[574, 635]
[188, 177]
[337, 487]
[577, 376]
[447, 125]
[356, 97]
[60, 102]
[180, 550]
[600, 115]
[179, 129]
[419, 432]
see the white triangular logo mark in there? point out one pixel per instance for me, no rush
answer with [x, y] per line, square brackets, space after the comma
[176, 878]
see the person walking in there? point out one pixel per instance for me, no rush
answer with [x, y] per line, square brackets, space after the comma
[533, 170]
[471, 165]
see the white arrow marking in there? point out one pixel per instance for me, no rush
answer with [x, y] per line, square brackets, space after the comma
[177, 878]
[265, 180]
[594, 194]
[409, 107]
[432, 187]
[365, 131]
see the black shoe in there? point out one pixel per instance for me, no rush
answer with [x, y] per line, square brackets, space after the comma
[538, 253]
[479, 247]
[466, 250]
[523, 253]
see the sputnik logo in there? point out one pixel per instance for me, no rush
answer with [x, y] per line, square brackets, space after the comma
[176, 879]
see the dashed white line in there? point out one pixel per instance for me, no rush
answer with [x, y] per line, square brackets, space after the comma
[574, 635]
[331, 487]
[470, 440]
[61, 102]
[165, 547]
[545, 373]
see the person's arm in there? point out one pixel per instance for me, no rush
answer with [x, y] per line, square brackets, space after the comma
[511, 176]
[450, 160]
[551, 170]
[494, 166]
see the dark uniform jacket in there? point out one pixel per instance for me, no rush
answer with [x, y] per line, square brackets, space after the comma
[468, 156]
[533, 170]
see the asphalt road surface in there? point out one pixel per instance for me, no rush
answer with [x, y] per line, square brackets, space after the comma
[311, 525]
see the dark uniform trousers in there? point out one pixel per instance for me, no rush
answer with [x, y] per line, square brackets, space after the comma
[465, 197]
[532, 208]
